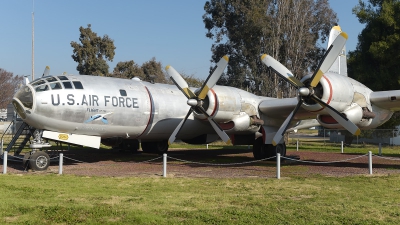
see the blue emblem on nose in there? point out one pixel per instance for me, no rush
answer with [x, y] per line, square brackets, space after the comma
[101, 117]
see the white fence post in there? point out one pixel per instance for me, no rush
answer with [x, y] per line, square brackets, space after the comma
[278, 165]
[297, 145]
[380, 149]
[165, 165]
[5, 155]
[60, 164]
[1, 150]
[370, 162]
[342, 146]
[207, 146]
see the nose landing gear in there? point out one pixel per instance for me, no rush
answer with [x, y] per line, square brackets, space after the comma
[37, 160]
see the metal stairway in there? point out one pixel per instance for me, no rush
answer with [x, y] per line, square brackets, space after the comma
[26, 137]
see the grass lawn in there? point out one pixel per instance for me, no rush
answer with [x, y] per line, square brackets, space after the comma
[43, 198]
[66, 199]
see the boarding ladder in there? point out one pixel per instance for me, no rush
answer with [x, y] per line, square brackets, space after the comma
[24, 132]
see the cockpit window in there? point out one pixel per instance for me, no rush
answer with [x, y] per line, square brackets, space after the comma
[77, 84]
[67, 85]
[51, 79]
[122, 92]
[62, 78]
[42, 88]
[55, 86]
[37, 83]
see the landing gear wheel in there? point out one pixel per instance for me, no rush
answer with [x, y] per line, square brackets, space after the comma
[130, 145]
[259, 149]
[39, 161]
[158, 147]
[25, 161]
[281, 149]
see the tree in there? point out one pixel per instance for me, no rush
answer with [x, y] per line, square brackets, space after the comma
[375, 61]
[193, 81]
[128, 69]
[287, 30]
[9, 84]
[153, 71]
[92, 53]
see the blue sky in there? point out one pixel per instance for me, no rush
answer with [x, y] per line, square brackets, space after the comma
[171, 31]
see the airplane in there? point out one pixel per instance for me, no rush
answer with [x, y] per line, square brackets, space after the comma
[73, 108]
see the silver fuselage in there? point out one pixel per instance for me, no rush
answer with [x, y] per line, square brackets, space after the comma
[112, 107]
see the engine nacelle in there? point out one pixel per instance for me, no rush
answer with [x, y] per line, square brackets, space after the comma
[349, 97]
[235, 110]
[335, 90]
[222, 107]
[359, 116]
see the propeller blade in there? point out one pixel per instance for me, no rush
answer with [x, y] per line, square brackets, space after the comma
[342, 120]
[285, 125]
[329, 58]
[46, 71]
[221, 133]
[281, 70]
[214, 77]
[178, 128]
[179, 82]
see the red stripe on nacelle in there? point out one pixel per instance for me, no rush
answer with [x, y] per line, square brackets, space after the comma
[330, 94]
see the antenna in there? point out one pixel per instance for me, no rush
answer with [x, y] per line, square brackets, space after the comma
[33, 40]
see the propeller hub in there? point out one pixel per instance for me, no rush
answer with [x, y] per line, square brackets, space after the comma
[192, 102]
[304, 91]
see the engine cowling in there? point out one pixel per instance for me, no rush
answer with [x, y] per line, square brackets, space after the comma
[346, 95]
[232, 109]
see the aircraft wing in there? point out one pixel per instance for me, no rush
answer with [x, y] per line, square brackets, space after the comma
[304, 124]
[386, 99]
[281, 108]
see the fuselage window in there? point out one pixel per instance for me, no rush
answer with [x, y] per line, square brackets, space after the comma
[122, 92]
[51, 79]
[42, 88]
[55, 86]
[67, 85]
[77, 84]
[62, 78]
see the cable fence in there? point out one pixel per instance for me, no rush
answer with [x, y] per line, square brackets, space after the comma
[278, 158]
[386, 137]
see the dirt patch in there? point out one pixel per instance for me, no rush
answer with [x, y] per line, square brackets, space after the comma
[237, 163]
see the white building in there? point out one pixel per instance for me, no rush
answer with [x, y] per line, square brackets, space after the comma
[3, 114]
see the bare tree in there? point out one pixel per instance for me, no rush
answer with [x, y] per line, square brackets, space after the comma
[9, 84]
[289, 31]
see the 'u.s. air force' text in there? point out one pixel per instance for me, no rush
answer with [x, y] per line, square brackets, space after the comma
[93, 100]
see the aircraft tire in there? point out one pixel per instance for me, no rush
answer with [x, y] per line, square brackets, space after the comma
[161, 147]
[259, 149]
[272, 150]
[147, 147]
[130, 145]
[39, 161]
[281, 148]
[158, 147]
[25, 161]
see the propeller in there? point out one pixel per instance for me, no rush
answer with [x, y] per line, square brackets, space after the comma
[306, 92]
[195, 101]
[46, 71]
